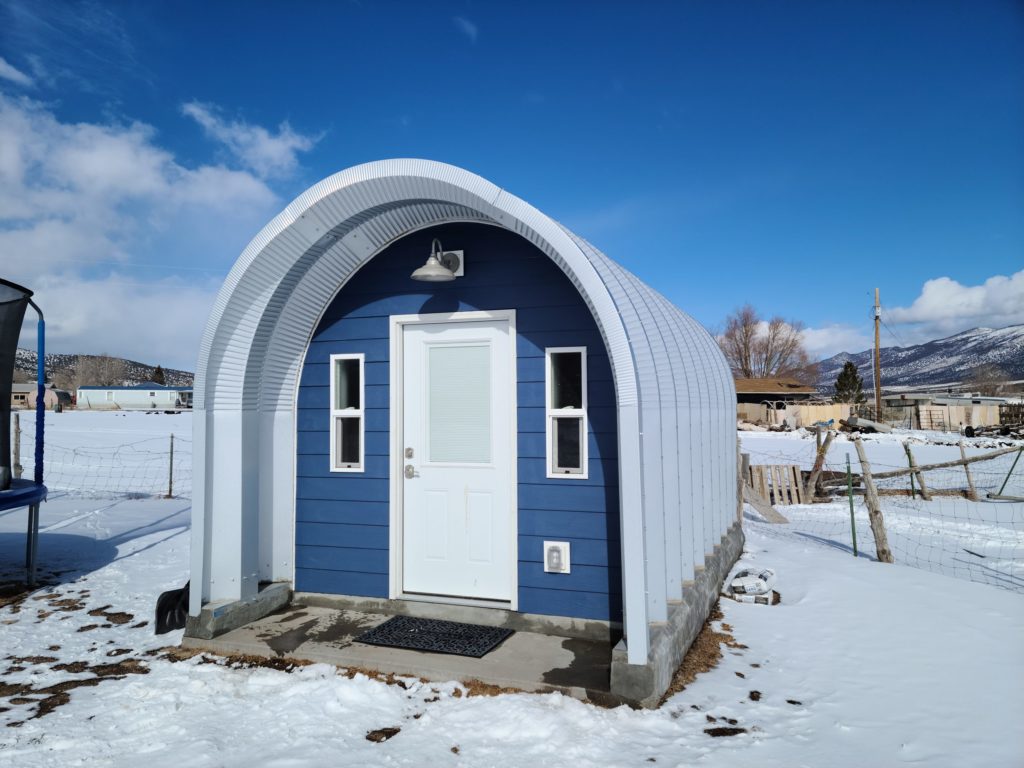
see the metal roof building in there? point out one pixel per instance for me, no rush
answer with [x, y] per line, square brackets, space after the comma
[672, 404]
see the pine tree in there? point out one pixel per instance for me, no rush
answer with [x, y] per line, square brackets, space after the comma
[158, 376]
[849, 386]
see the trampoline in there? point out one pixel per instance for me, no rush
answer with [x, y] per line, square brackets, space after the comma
[17, 492]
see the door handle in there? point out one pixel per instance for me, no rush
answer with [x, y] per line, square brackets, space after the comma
[410, 472]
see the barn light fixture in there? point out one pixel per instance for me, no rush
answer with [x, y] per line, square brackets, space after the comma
[441, 266]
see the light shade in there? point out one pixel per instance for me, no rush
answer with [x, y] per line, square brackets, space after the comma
[434, 271]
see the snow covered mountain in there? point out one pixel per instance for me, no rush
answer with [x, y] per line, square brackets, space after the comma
[943, 361]
[134, 372]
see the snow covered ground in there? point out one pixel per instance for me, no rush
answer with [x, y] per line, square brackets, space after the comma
[981, 541]
[860, 664]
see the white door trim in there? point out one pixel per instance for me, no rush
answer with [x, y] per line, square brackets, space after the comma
[396, 463]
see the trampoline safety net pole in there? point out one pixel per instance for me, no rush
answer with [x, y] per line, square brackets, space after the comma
[40, 391]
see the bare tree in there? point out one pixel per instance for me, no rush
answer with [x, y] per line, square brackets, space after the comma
[66, 379]
[988, 380]
[99, 371]
[739, 339]
[757, 349]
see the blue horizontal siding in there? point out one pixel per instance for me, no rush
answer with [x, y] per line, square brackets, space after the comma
[337, 558]
[583, 605]
[341, 582]
[342, 535]
[571, 496]
[342, 518]
[599, 472]
[554, 524]
[313, 511]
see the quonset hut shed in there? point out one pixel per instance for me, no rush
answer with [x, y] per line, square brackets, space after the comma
[543, 435]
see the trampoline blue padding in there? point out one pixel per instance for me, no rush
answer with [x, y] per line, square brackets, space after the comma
[22, 493]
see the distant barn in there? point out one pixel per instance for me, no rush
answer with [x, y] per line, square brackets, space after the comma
[518, 424]
[24, 396]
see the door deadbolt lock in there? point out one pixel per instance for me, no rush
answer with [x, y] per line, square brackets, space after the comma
[410, 472]
[408, 453]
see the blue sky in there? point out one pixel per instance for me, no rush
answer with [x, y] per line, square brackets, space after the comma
[793, 155]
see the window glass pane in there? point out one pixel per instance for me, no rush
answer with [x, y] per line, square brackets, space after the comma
[346, 384]
[566, 380]
[459, 403]
[346, 451]
[568, 439]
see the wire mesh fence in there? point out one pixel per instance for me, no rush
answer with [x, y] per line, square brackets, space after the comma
[159, 466]
[953, 531]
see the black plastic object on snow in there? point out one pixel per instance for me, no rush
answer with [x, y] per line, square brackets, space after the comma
[13, 302]
[172, 610]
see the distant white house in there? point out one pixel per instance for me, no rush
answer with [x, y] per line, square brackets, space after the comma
[146, 396]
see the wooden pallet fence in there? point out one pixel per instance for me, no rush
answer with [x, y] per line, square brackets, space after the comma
[780, 484]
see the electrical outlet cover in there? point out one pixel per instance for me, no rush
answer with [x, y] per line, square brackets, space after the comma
[556, 557]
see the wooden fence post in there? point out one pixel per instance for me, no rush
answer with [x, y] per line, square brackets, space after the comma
[819, 462]
[874, 507]
[972, 492]
[915, 471]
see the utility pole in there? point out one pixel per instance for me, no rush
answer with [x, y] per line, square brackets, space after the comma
[878, 358]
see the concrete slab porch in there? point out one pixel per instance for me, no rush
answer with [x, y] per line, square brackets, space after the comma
[527, 661]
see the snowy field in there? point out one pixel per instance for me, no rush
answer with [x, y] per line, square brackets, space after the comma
[860, 664]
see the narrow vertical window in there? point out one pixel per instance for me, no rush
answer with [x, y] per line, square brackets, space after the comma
[347, 387]
[566, 401]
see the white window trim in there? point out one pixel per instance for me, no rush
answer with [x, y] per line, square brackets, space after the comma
[550, 414]
[348, 412]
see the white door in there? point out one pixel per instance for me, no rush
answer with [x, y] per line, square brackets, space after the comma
[458, 444]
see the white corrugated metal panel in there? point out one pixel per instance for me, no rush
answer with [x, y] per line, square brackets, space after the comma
[673, 389]
[687, 373]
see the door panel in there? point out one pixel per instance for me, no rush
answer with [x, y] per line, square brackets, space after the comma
[458, 536]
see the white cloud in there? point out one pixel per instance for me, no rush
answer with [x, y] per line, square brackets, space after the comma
[264, 153]
[159, 321]
[98, 218]
[943, 308]
[830, 340]
[467, 27]
[10, 72]
[946, 306]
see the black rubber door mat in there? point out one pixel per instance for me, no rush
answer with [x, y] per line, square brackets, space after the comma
[436, 636]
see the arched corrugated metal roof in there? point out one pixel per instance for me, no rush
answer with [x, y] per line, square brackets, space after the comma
[674, 390]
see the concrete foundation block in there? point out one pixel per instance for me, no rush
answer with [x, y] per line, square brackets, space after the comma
[218, 618]
[644, 684]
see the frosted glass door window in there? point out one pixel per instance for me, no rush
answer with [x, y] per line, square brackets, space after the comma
[459, 403]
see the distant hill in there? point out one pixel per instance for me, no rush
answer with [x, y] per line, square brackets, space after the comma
[944, 361]
[62, 367]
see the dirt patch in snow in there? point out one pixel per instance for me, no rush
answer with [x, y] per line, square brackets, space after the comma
[724, 731]
[704, 654]
[235, 661]
[480, 688]
[114, 617]
[13, 594]
[50, 697]
[382, 734]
